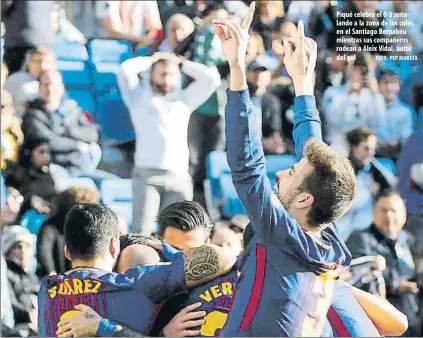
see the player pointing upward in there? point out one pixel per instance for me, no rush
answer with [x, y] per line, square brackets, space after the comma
[279, 292]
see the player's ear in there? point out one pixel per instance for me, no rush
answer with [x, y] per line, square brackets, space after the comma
[303, 200]
[67, 255]
[114, 247]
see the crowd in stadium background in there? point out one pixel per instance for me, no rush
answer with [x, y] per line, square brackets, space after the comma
[81, 123]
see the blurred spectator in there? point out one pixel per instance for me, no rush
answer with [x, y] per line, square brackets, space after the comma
[11, 132]
[7, 316]
[51, 241]
[4, 74]
[386, 238]
[301, 10]
[358, 103]
[63, 29]
[412, 192]
[255, 47]
[160, 114]
[18, 247]
[60, 121]
[227, 238]
[31, 175]
[322, 24]
[11, 208]
[206, 130]
[136, 21]
[178, 28]
[238, 223]
[28, 25]
[169, 8]
[266, 13]
[268, 110]
[23, 85]
[331, 70]
[399, 117]
[372, 178]
[123, 225]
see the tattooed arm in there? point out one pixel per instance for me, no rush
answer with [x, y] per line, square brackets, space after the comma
[206, 263]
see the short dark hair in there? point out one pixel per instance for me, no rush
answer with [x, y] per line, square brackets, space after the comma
[185, 216]
[388, 75]
[89, 227]
[388, 192]
[358, 135]
[131, 239]
[211, 7]
[332, 183]
[27, 148]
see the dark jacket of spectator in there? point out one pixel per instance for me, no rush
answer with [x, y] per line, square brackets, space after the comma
[24, 287]
[28, 178]
[63, 133]
[50, 244]
[373, 242]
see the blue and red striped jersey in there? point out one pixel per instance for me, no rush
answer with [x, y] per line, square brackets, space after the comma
[132, 299]
[279, 291]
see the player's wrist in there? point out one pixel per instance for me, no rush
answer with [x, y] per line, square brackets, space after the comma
[303, 87]
[106, 328]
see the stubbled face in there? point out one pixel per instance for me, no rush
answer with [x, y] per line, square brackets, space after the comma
[389, 90]
[365, 151]
[390, 215]
[184, 240]
[288, 182]
[164, 77]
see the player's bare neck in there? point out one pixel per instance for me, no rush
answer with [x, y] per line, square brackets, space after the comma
[93, 263]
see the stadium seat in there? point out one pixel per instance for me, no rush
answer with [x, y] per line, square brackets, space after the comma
[109, 51]
[117, 194]
[114, 119]
[85, 100]
[32, 220]
[232, 205]
[104, 75]
[217, 165]
[274, 163]
[142, 51]
[75, 73]
[388, 164]
[70, 51]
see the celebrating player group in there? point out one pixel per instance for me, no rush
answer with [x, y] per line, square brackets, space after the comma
[285, 283]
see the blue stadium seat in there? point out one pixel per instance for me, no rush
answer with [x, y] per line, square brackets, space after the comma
[32, 220]
[232, 205]
[217, 165]
[117, 194]
[388, 164]
[70, 51]
[142, 51]
[75, 73]
[104, 75]
[114, 119]
[274, 163]
[109, 51]
[85, 100]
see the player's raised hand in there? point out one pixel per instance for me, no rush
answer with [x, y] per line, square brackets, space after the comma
[300, 60]
[235, 37]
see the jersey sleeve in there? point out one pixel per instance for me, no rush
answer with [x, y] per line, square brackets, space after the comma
[269, 219]
[159, 281]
